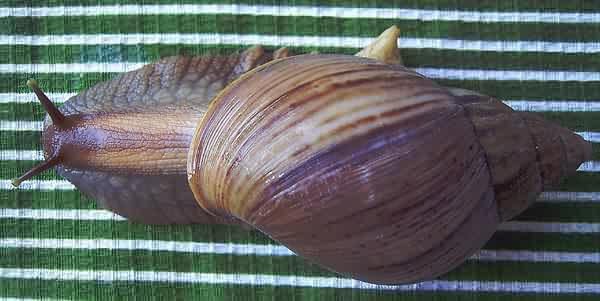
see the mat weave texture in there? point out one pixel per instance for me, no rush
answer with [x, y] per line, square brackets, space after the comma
[55, 243]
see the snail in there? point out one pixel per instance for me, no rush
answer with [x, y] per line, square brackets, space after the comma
[356, 163]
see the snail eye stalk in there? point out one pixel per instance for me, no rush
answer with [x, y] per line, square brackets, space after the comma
[58, 119]
[51, 162]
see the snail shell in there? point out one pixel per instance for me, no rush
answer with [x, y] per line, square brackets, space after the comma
[370, 169]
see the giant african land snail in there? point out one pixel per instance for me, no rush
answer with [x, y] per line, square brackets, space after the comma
[408, 178]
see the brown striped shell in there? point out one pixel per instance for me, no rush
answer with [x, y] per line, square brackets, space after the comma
[366, 168]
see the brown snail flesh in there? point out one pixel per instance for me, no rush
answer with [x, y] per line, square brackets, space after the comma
[124, 142]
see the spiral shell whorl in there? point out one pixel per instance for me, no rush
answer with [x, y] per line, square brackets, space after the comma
[347, 162]
[525, 153]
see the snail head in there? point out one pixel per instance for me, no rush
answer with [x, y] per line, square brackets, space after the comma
[59, 121]
[145, 143]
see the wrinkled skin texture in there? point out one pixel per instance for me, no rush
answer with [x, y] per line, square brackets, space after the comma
[189, 82]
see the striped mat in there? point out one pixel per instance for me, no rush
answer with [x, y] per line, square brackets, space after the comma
[541, 56]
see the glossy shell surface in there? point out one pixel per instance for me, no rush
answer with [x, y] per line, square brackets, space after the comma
[366, 168]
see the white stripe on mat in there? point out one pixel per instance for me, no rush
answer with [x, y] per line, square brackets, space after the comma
[296, 281]
[103, 215]
[60, 214]
[590, 166]
[519, 105]
[304, 11]
[30, 97]
[21, 125]
[38, 185]
[32, 155]
[434, 73]
[537, 256]
[544, 227]
[568, 196]
[545, 197]
[590, 136]
[7, 125]
[264, 250]
[549, 105]
[151, 245]
[306, 41]
[514, 75]
[21, 155]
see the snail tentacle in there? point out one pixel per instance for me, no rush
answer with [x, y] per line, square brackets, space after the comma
[384, 48]
[57, 117]
[43, 166]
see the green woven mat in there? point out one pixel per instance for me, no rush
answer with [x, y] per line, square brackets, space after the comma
[55, 243]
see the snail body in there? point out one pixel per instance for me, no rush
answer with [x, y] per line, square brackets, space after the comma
[360, 165]
[124, 142]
